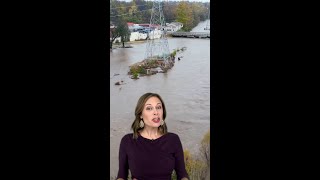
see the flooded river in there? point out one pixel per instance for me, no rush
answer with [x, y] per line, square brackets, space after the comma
[185, 90]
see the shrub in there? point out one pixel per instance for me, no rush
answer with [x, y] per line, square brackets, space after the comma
[194, 166]
[141, 70]
[205, 148]
[135, 75]
[197, 166]
[133, 69]
[152, 63]
[174, 53]
[138, 69]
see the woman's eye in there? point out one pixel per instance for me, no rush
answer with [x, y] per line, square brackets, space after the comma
[149, 108]
[159, 107]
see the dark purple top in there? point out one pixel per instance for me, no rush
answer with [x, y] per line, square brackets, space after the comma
[151, 159]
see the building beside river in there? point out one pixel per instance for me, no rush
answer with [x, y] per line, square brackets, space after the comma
[173, 27]
[145, 31]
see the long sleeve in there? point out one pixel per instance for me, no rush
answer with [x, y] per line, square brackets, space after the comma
[123, 160]
[179, 161]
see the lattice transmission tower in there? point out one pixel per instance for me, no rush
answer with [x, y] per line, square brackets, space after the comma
[157, 44]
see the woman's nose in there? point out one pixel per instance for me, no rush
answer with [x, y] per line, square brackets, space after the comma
[155, 112]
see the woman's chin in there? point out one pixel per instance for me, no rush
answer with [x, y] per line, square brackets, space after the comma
[154, 125]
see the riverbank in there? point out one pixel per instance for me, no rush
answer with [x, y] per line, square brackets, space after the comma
[127, 44]
[130, 43]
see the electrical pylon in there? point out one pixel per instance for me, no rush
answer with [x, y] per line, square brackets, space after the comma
[158, 48]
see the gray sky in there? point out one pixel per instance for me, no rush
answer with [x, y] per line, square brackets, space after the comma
[175, 0]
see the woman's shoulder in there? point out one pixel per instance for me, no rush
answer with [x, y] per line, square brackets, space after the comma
[127, 137]
[172, 136]
[173, 139]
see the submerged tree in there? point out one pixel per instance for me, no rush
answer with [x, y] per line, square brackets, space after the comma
[114, 34]
[124, 32]
[121, 30]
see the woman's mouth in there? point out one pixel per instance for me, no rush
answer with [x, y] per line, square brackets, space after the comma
[156, 120]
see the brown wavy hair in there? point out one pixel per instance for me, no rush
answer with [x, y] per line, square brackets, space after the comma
[138, 111]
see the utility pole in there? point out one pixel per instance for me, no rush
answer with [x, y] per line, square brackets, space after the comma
[157, 44]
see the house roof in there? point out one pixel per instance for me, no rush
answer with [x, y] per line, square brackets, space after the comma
[177, 23]
[149, 25]
[130, 23]
[171, 25]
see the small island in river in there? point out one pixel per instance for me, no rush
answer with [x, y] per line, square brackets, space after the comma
[153, 66]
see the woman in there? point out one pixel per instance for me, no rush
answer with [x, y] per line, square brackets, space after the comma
[150, 152]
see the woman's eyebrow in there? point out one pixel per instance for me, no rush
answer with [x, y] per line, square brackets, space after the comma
[151, 104]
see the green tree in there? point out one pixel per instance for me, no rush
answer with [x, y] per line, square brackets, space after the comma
[169, 11]
[121, 30]
[124, 32]
[200, 12]
[184, 15]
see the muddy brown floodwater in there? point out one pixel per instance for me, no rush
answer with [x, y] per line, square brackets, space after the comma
[185, 90]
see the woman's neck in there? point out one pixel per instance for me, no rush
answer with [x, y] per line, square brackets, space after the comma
[150, 133]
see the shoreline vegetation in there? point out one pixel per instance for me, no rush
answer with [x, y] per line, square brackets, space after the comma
[198, 165]
[117, 45]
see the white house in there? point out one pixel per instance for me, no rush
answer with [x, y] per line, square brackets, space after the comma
[178, 24]
[173, 27]
[135, 36]
[142, 36]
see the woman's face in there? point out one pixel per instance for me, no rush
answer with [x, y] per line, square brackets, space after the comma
[152, 112]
